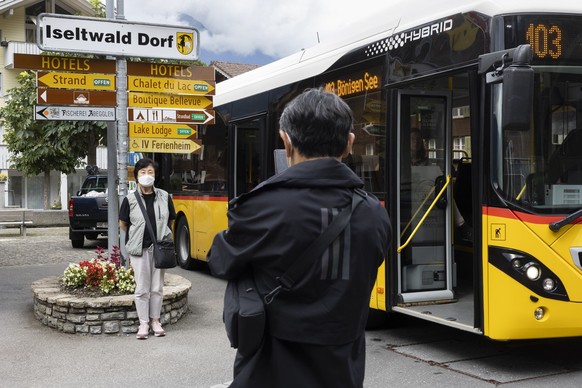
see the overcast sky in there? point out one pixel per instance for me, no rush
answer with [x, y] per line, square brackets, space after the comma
[254, 31]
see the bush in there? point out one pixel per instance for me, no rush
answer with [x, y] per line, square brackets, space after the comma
[103, 273]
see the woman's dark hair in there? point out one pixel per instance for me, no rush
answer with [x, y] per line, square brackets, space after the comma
[143, 163]
[318, 123]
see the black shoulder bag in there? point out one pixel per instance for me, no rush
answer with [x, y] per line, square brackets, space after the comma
[244, 309]
[164, 254]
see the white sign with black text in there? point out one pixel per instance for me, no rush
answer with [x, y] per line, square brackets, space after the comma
[81, 113]
[116, 37]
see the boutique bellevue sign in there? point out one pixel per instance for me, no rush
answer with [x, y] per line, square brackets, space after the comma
[116, 37]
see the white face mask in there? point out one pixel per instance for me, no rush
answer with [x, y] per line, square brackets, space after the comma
[146, 180]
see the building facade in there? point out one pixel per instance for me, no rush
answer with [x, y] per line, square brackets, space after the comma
[18, 36]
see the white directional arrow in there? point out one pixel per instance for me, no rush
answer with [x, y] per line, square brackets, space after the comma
[43, 96]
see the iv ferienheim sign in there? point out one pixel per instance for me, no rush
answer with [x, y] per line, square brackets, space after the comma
[116, 37]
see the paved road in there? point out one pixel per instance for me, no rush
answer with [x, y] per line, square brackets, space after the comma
[195, 353]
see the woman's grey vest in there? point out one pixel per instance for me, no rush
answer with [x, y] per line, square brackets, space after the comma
[138, 224]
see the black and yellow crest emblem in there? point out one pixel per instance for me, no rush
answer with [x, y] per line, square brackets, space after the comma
[185, 43]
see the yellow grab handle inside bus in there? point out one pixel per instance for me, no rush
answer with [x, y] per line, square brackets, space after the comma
[432, 205]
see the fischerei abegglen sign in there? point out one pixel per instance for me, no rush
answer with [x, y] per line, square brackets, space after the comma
[115, 37]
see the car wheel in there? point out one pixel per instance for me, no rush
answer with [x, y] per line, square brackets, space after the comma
[77, 239]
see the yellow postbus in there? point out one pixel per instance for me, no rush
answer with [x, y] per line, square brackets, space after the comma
[493, 90]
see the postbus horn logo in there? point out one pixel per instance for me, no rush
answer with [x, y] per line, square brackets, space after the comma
[185, 42]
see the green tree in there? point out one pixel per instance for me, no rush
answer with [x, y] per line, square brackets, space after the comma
[39, 147]
[98, 8]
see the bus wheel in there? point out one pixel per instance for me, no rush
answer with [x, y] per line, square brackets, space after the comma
[377, 319]
[182, 244]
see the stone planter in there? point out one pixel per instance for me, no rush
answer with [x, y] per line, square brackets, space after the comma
[103, 315]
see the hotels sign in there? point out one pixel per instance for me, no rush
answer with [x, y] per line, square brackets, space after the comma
[53, 62]
[116, 37]
[85, 65]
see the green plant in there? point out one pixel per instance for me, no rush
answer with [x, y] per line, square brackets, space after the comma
[103, 273]
[3, 177]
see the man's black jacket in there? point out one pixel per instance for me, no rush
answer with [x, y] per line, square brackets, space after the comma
[273, 224]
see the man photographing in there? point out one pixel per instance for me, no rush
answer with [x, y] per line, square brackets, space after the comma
[315, 331]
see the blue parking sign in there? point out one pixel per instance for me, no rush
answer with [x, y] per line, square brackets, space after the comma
[133, 157]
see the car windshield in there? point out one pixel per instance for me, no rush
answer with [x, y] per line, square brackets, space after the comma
[540, 169]
[96, 183]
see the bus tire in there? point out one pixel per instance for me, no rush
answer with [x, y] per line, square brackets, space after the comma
[377, 319]
[182, 244]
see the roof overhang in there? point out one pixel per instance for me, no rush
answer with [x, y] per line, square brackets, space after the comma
[82, 7]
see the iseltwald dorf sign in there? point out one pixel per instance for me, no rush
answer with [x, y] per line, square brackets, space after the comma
[116, 37]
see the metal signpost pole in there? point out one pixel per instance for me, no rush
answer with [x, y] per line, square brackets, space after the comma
[122, 126]
[112, 200]
[122, 134]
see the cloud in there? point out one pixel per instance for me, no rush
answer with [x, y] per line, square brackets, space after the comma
[274, 28]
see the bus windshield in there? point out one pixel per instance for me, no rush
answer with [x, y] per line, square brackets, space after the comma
[540, 169]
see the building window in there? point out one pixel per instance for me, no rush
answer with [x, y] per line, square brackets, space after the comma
[30, 29]
[459, 145]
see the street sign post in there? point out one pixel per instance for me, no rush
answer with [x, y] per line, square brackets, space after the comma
[75, 80]
[161, 130]
[75, 97]
[121, 39]
[82, 113]
[170, 85]
[171, 146]
[156, 100]
[171, 116]
[56, 32]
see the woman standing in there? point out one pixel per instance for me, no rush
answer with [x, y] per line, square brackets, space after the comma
[139, 244]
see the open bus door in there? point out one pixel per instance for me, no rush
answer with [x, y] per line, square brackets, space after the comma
[246, 159]
[425, 268]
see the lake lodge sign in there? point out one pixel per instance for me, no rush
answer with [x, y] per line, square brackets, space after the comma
[115, 37]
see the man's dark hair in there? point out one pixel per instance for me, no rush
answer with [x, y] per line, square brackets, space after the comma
[318, 123]
[143, 163]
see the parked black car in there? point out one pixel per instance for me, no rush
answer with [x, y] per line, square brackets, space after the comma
[88, 210]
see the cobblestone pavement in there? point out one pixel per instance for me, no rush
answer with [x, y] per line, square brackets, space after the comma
[43, 246]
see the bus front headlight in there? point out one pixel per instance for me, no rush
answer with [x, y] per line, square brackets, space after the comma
[549, 284]
[532, 271]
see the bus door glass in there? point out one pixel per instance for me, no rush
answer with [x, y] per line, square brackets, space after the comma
[247, 156]
[425, 263]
